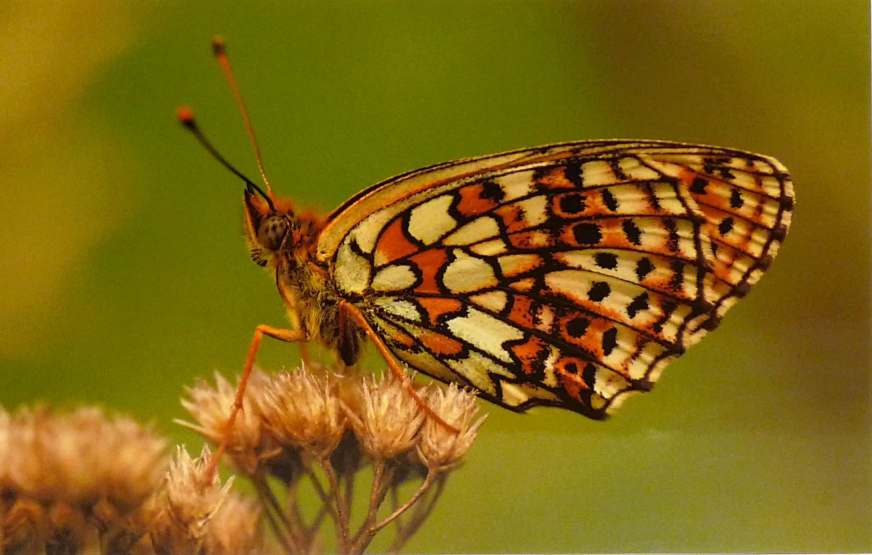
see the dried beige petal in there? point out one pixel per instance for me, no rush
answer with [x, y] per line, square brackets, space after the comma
[82, 457]
[187, 503]
[25, 527]
[210, 407]
[235, 529]
[191, 498]
[440, 448]
[301, 409]
[385, 418]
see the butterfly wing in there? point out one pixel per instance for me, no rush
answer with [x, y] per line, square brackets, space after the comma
[566, 275]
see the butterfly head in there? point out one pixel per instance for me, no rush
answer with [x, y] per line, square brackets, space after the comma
[270, 225]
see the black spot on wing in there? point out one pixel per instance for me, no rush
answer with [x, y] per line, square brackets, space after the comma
[491, 190]
[638, 304]
[572, 204]
[606, 260]
[610, 341]
[572, 171]
[599, 291]
[643, 268]
[587, 233]
[632, 231]
[577, 327]
[589, 375]
[698, 186]
[609, 200]
[736, 200]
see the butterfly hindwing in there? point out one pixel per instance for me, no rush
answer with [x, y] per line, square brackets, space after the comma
[565, 275]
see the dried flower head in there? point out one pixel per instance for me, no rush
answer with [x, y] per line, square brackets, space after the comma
[385, 418]
[247, 445]
[302, 409]
[25, 527]
[330, 429]
[441, 449]
[186, 504]
[235, 528]
[82, 457]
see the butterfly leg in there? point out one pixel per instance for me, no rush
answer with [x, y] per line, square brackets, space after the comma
[348, 310]
[289, 336]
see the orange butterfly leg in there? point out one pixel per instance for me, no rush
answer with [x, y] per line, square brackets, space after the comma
[281, 334]
[351, 311]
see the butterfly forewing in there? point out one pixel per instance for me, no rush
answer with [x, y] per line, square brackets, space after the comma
[562, 275]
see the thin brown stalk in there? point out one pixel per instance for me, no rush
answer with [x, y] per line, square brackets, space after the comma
[322, 494]
[275, 521]
[305, 533]
[349, 491]
[422, 489]
[381, 479]
[336, 494]
[313, 528]
[421, 513]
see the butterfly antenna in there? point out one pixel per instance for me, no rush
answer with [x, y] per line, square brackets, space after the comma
[220, 51]
[186, 117]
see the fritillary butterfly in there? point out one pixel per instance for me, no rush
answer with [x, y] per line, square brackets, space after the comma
[566, 275]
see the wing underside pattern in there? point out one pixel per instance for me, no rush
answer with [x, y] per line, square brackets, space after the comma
[567, 275]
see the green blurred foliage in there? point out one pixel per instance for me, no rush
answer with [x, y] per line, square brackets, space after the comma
[125, 275]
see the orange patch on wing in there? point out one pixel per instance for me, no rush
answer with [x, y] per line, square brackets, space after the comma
[429, 262]
[555, 179]
[522, 311]
[529, 353]
[400, 338]
[520, 264]
[436, 307]
[513, 218]
[614, 235]
[439, 344]
[471, 203]
[568, 370]
[393, 243]
[592, 342]
[523, 285]
[529, 240]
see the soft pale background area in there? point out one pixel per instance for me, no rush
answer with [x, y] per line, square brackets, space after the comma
[124, 274]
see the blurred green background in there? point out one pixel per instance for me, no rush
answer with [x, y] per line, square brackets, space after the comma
[125, 276]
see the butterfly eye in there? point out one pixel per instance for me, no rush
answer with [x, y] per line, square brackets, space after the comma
[272, 232]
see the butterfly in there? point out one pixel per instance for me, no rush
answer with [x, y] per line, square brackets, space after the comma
[566, 275]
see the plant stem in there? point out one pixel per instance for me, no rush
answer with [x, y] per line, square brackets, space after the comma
[422, 489]
[337, 497]
[422, 512]
[269, 509]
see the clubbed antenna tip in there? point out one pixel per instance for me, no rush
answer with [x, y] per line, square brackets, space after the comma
[218, 45]
[185, 115]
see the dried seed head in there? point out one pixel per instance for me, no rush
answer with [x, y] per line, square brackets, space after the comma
[82, 457]
[25, 527]
[186, 504]
[69, 529]
[301, 409]
[385, 418]
[441, 449]
[235, 529]
[247, 445]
